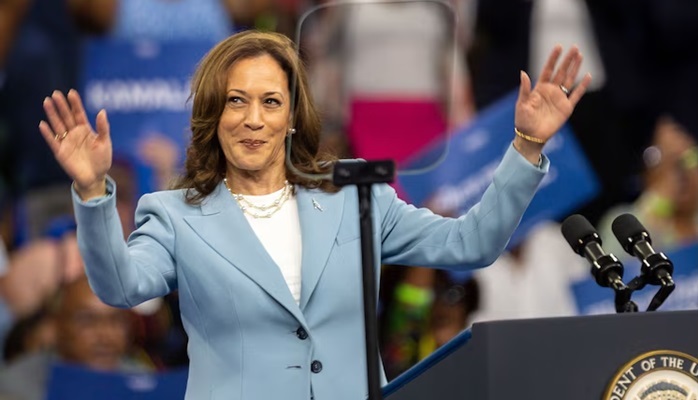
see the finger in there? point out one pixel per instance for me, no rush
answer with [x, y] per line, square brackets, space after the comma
[563, 70]
[49, 136]
[102, 125]
[54, 119]
[579, 91]
[77, 107]
[63, 109]
[549, 67]
[573, 71]
[524, 87]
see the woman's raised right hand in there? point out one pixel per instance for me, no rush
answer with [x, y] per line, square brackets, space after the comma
[84, 154]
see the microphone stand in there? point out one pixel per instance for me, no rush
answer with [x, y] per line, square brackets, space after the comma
[608, 272]
[666, 286]
[622, 300]
[364, 174]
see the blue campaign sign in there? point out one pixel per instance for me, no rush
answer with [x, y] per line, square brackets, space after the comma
[474, 152]
[144, 86]
[76, 383]
[593, 299]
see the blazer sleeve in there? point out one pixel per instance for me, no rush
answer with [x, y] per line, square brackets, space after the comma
[416, 236]
[126, 274]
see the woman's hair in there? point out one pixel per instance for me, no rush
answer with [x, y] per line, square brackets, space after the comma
[205, 163]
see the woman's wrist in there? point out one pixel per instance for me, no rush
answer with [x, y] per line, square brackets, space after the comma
[529, 150]
[98, 189]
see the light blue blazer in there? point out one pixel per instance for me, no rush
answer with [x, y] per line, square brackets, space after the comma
[248, 339]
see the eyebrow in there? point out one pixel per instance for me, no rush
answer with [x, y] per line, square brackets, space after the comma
[247, 94]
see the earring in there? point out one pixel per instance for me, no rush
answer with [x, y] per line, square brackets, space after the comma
[291, 131]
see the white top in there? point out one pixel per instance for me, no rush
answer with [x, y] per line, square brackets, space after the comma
[281, 236]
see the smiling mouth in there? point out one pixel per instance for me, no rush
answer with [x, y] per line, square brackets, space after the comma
[252, 143]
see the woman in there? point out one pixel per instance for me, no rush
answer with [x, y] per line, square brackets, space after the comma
[233, 237]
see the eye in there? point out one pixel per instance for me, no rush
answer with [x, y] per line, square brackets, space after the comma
[235, 100]
[272, 101]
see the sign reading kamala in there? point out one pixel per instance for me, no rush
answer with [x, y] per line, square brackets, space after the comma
[76, 383]
[144, 86]
[657, 375]
[593, 299]
[474, 152]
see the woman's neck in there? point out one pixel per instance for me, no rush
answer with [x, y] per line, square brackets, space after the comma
[255, 183]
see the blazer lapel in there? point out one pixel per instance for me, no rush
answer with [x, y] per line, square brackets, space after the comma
[320, 216]
[224, 227]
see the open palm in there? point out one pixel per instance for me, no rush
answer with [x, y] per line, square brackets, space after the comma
[541, 111]
[84, 154]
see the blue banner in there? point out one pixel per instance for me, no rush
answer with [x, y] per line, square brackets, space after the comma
[593, 299]
[77, 383]
[460, 179]
[144, 86]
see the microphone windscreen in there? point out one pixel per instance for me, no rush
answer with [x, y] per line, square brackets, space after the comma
[575, 228]
[626, 227]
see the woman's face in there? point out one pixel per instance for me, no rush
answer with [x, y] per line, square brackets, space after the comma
[256, 116]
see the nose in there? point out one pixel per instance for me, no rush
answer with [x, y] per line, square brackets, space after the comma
[253, 119]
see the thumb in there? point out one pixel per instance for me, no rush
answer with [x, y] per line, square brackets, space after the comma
[102, 124]
[524, 87]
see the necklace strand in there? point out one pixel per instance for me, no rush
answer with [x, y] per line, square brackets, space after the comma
[261, 211]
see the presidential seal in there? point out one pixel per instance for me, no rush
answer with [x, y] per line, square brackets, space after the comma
[657, 375]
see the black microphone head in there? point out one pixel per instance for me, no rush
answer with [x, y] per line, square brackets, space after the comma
[578, 231]
[628, 230]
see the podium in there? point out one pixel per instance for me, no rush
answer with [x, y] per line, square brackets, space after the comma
[573, 358]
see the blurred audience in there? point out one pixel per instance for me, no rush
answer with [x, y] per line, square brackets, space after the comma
[456, 300]
[668, 204]
[45, 55]
[175, 20]
[11, 16]
[643, 45]
[31, 275]
[422, 309]
[88, 333]
[531, 280]
[386, 73]
[613, 122]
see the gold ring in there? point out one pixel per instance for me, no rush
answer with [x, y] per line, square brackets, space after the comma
[61, 136]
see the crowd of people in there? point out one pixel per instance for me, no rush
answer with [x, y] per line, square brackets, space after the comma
[427, 74]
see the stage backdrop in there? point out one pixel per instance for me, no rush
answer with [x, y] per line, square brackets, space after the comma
[460, 179]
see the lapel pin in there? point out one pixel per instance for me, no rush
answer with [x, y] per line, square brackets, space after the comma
[317, 206]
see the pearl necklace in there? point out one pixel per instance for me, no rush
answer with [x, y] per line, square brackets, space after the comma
[265, 210]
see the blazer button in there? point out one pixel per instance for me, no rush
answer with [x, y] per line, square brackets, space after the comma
[301, 333]
[316, 366]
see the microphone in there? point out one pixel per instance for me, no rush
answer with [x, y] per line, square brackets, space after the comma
[582, 237]
[636, 241]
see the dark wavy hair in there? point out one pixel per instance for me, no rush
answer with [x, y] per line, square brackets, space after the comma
[205, 162]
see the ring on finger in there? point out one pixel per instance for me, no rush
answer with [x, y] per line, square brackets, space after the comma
[565, 90]
[61, 136]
